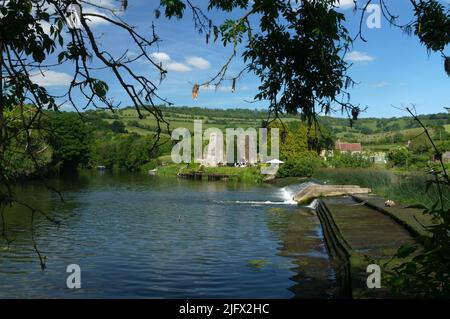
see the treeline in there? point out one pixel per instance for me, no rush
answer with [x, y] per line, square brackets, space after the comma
[61, 142]
[116, 148]
[382, 125]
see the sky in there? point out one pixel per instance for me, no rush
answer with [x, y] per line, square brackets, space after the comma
[391, 69]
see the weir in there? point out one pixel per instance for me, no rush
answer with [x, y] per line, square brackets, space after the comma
[359, 231]
[358, 235]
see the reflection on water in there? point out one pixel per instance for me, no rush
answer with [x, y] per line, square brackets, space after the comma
[137, 236]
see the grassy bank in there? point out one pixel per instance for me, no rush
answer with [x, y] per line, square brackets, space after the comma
[244, 174]
[406, 188]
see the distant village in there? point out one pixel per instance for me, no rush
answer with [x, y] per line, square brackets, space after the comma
[247, 154]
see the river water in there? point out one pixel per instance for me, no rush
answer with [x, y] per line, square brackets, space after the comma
[138, 236]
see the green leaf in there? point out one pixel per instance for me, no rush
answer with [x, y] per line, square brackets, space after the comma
[406, 250]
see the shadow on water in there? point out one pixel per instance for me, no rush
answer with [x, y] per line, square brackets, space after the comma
[302, 242]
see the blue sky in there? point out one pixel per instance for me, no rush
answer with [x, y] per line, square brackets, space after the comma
[392, 68]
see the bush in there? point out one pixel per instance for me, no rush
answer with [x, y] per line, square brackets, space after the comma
[348, 160]
[304, 166]
[398, 157]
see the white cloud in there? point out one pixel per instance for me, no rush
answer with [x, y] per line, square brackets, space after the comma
[160, 57]
[358, 56]
[224, 88]
[198, 62]
[345, 4]
[51, 78]
[379, 84]
[168, 63]
[178, 67]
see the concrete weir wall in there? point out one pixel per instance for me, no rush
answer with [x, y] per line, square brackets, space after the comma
[313, 191]
[356, 236]
[339, 251]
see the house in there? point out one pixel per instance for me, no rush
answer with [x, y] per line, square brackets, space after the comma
[353, 148]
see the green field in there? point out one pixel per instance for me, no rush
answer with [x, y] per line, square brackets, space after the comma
[377, 134]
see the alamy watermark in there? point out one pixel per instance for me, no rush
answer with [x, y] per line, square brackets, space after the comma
[73, 16]
[74, 279]
[374, 279]
[242, 146]
[374, 16]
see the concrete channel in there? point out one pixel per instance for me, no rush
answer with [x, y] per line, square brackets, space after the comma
[358, 233]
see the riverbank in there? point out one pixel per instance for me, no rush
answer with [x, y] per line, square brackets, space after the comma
[243, 174]
[407, 188]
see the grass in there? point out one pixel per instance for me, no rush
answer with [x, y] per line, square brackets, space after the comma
[447, 127]
[244, 174]
[406, 188]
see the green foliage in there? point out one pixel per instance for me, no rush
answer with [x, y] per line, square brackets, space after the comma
[406, 188]
[118, 127]
[293, 140]
[70, 139]
[304, 165]
[433, 24]
[127, 151]
[424, 270]
[420, 145]
[398, 157]
[295, 49]
[152, 164]
[348, 160]
[27, 155]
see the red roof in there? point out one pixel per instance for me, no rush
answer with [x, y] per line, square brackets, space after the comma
[348, 147]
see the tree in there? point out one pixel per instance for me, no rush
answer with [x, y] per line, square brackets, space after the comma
[118, 127]
[398, 157]
[296, 50]
[70, 139]
[366, 130]
[31, 33]
[293, 140]
[420, 145]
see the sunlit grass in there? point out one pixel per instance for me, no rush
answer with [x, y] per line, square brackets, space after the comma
[407, 188]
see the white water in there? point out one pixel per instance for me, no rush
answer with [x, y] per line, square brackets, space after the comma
[313, 204]
[286, 195]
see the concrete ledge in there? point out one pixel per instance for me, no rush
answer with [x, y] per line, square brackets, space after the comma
[357, 235]
[315, 191]
[339, 251]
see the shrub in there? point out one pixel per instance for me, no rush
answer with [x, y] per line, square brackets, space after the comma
[348, 160]
[304, 166]
[398, 157]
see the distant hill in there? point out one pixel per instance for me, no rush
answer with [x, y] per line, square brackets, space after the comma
[376, 133]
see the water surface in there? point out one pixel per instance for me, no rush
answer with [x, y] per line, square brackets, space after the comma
[138, 236]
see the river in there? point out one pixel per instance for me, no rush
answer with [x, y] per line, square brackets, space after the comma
[139, 236]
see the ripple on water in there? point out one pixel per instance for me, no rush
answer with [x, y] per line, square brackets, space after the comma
[149, 238]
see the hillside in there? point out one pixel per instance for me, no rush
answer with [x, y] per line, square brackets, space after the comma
[373, 133]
